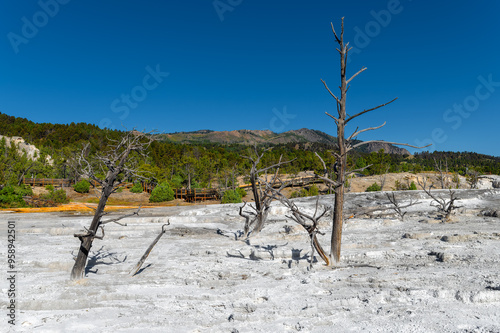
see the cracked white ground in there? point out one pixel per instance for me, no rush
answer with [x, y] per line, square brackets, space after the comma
[416, 275]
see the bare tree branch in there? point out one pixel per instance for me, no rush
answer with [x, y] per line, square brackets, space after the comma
[334, 33]
[311, 227]
[343, 144]
[365, 111]
[444, 206]
[325, 176]
[348, 173]
[115, 160]
[333, 95]
[382, 141]
[397, 206]
[148, 251]
[329, 115]
[359, 72]
[262, 195]
[356, 133]
[121, 218]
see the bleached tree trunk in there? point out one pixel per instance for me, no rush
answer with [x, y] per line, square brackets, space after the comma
[345, 144]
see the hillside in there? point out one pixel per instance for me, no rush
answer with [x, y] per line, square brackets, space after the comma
[208, 158]
[251, 137]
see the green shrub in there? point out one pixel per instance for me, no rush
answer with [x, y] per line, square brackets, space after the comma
[373, 188]
[12, 196]
[231, 196]
[313, 191]
[400, 186]
[137, 188]
[49, 188]
[58, 196]
[456, 180]
[83, 186]
[23, 190]
[413, 187]
[300, 194]
[162, 193]
[176, 181]
[242, 192]
[119, 189]
[195, 184]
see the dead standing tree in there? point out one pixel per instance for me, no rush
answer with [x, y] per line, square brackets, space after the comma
[444, 206]
[309, 223]
[115, 161]
[263, 196]
[443, 173]
[397, 207]
[344, 145]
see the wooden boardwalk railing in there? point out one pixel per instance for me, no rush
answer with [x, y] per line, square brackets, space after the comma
[48, 181]
[197, 194]
[192, 195]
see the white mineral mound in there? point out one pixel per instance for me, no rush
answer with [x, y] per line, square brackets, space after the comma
[32, 152]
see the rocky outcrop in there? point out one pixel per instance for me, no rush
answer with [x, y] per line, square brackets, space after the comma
[387, 147]
[31, 151]
[488, 182]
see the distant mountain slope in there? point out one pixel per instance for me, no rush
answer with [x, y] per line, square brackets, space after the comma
[251, 137]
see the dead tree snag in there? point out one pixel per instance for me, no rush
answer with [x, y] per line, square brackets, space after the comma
[397, 207]
[344, 145]
[310, 224]
[263, 196]
[115, 162]
[444, 206]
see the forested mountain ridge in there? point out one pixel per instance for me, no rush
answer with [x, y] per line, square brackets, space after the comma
[252, 137]
[205, 164]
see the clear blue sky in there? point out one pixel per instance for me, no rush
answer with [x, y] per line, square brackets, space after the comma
[241, 64]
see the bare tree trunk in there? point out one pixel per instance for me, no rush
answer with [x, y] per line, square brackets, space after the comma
[262, 192]
[21, 178]
[338, 221]
[78, 270]
[338, 213]
[115, 161]
[345, 144]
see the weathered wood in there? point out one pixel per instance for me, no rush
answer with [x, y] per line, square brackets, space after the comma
[115, 162]
[262, 190]
[148, 251]
[311, 227]
[345, 145]
[446, 207]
